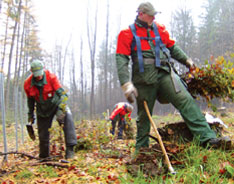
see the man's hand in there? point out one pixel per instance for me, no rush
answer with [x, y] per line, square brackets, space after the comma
[31, 119]
[129, 91]
[190, 64]
[60, 115]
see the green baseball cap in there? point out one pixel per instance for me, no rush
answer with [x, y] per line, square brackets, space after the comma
[37, 68]
[147, 8]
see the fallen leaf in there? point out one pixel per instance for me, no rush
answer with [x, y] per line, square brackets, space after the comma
[204, 159]
[222, 171]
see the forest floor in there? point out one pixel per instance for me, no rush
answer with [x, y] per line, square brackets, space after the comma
[101, 158]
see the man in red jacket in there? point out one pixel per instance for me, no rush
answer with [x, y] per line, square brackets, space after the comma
[118, 114]
[153, 78]
[46, 95]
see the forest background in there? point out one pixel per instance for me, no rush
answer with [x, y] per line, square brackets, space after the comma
[81, 52]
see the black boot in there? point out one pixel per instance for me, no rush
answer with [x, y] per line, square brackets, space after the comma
[222, 142]
[69, 152]
[44, 150]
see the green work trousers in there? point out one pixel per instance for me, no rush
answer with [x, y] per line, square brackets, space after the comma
[164, 88]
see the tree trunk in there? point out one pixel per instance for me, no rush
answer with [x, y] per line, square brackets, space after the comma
[106, 57]
[11, 56]
[81, 80]
[5, 43]
[0, 6]
[64, 59]
[92, 48]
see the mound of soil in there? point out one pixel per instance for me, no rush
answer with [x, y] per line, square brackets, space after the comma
[175, 132]
[148, 161]
[151, 160]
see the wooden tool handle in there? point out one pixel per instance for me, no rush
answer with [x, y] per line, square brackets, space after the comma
[159, 139]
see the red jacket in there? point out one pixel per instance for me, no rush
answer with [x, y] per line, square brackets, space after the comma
[125, 39]
[120, 110]
[48, 89]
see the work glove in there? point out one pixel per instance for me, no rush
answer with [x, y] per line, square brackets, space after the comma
[60, 115]
[62, 109]
[129, 91]
[62, 106]
[63, 103]
[190, 64]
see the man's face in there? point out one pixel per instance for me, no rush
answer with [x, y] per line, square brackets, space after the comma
[38, 78]
[146, 18]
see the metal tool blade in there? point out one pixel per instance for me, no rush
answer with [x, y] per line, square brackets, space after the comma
[31, 132]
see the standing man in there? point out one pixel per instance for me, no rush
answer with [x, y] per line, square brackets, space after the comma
[151, 47]
[46, 95]
[118, 114]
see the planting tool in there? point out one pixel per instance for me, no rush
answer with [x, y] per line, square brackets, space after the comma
[159, 139]
[30, 131]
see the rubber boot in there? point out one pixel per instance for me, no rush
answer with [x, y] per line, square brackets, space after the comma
[44, 150]
[69, 152]
[113, 123]
[222, 142]
[112, 131]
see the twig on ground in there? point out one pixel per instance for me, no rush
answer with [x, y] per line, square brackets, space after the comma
[4, 172]
[54, 164]
[19, 153]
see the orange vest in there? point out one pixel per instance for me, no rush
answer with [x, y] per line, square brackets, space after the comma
[48, 89]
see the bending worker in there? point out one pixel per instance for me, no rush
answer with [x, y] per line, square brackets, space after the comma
[151, 48]
[118, 114]
[46, 95]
